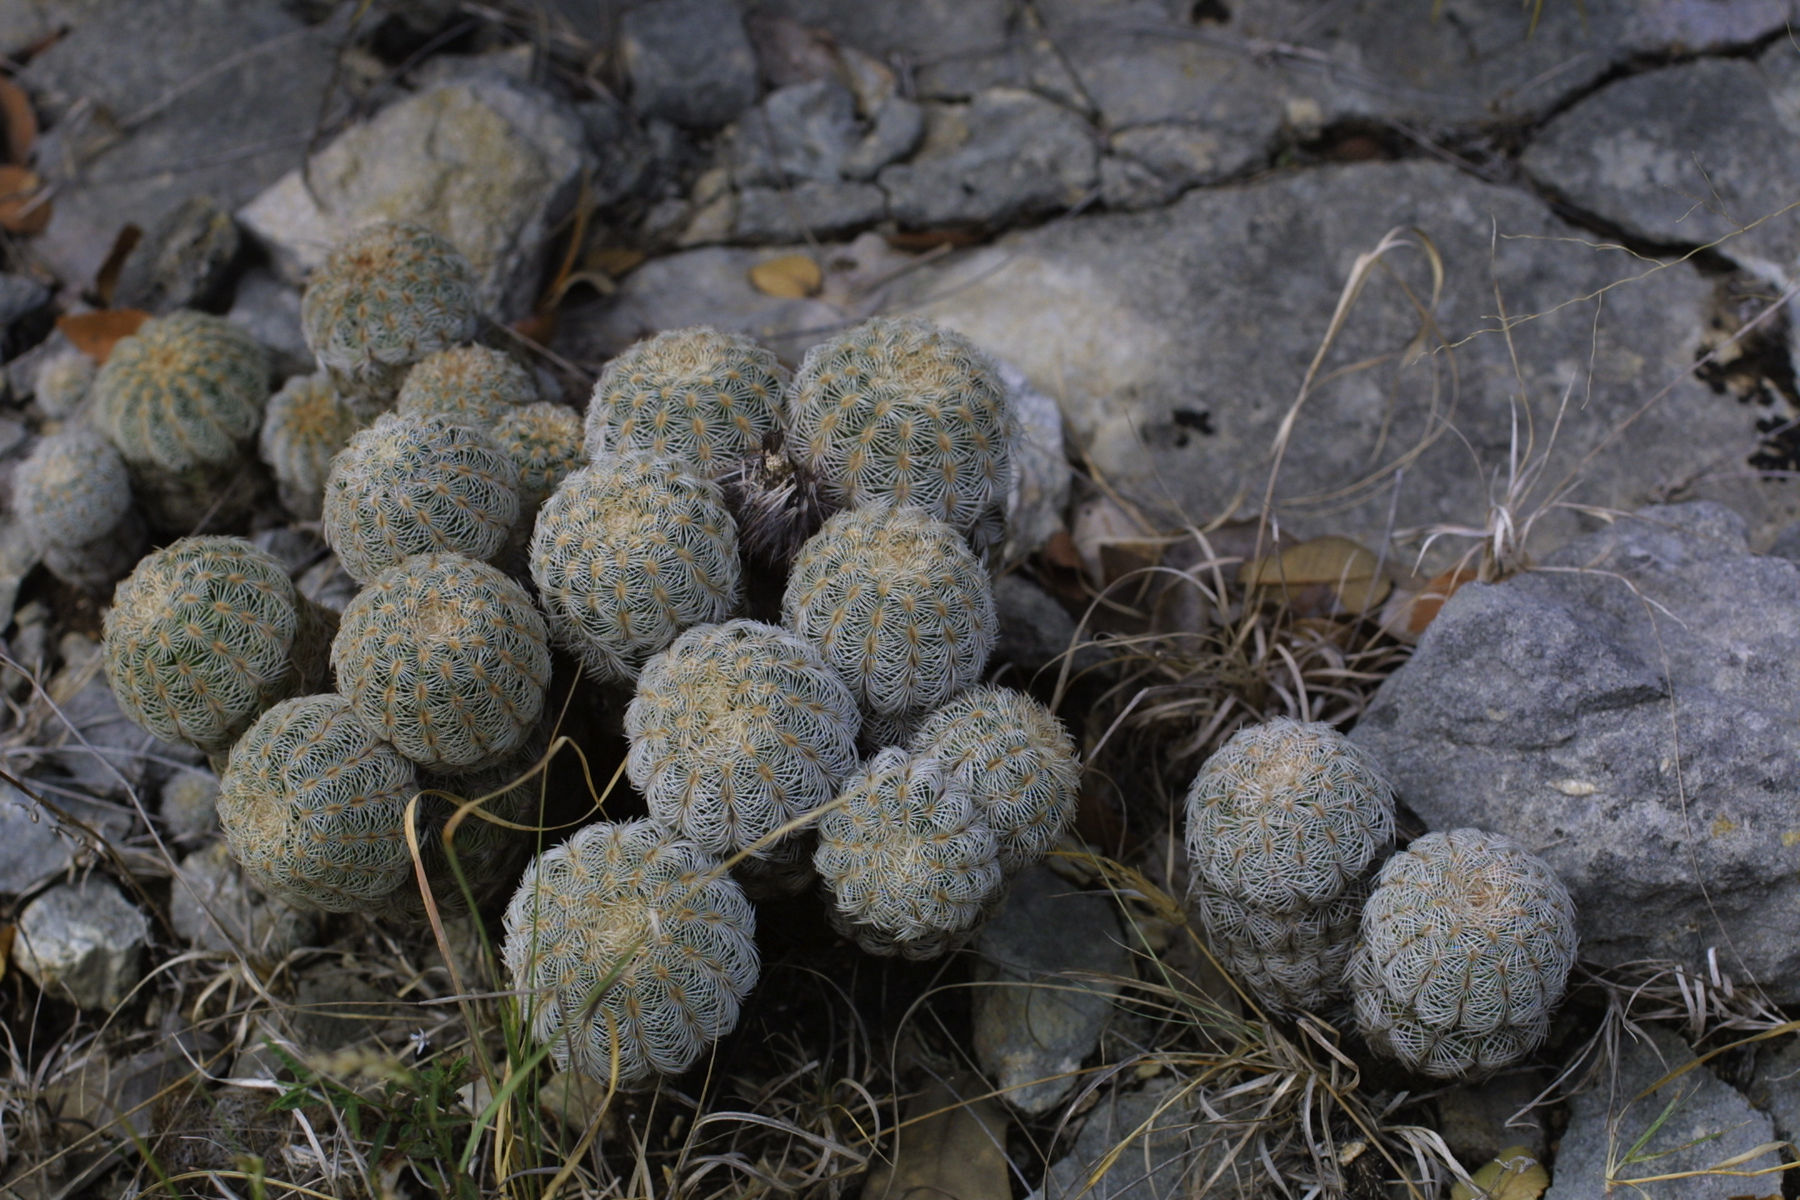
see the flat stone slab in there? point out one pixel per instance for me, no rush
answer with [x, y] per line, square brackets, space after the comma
[1631, 712]
[1691, 154]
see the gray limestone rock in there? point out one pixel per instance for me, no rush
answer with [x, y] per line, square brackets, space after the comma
[490, 164]
[83, 942]
[789, 214]
[1041, 477]
[1689, 154]
[689, 61]
[1035, 632]
[17, 558]
[20, 297]
[1169, 1149]
[1176, 342]
[213, 908]
[1034, 1024]
[189, 804]
[269, 307]
[35, 844]
[1775, 1085]
[894, 132]
[145, 111]
[1631, 712]
[800, 132]
[1703, 1122]
[1007, 154]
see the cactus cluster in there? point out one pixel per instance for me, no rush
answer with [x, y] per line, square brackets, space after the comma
[632, 951]
[313, 805]
[627, 553]
[475, 385]
[73, 499]
[1285, 824]
[446, 658]
[897, 604]
[903, 412]
[1462, 952]
[182, 398]
[304, 426]
[205, 634]
[414, 485]
[544, 442]
[736, 730]
[707, 398]
[385, 298]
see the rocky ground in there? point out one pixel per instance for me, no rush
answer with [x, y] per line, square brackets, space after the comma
[1496, 292]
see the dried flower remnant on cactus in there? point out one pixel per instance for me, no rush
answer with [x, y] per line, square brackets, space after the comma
[897, 604]
[313, 805]
[699, 395]
[632, 951]
[475, 385]
[911, 865]
[1464, 949]
[305, 425]
[1285, 824]
[736, 730]
[629, 552]
[447, 659]
[903, 412]
[414, 485]
[386, 297]
[205, 634]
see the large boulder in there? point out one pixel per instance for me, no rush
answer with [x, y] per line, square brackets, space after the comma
[1629, 709]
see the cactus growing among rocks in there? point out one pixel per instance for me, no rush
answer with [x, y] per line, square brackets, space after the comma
[910, 863]
[205, 634]
[182, 398]
[305, 425]
[313, 804]
[736, 730]
[627, 553]
[475, 385]
[897, 604]
[1285, 824]
[447, 659]
[1018, 763]
[544, 442]
[414, 485]
[1464, 948]
[632, 951]
[63, 381]
[699, 395]
[73, 499]
[903, 412]
[387, 297]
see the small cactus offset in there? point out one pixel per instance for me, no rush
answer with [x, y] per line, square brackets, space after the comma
[414, 485]
[304, 426]
[909, 861]
[897, 604]
[313, 805]
[699, 395]
[1285, 823]
[629, 552]
[205, 634]
[904, 412]
[474, 384]
[447, 659]
[544, 442]
[1465, 948]
[63, 382]
[1018, 763]
[73, 499]
[387, 297]
[182, 399]
[632, 951]
[736, 730]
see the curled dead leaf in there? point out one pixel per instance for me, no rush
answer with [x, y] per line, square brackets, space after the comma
[790, 277]
[24, 200]
[19, 120]
[95, 333]
[1323, 575]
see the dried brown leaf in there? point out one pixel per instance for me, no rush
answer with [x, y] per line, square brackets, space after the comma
[790, 277]
[24, 202]
[95, 333]
[20, 121]
[1350, 571]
